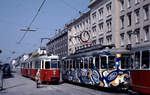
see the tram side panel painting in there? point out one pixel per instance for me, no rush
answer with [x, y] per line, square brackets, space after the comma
[103, 70]
[48, 66]
[140, 74]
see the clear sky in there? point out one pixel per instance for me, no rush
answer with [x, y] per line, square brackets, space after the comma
[17, 14]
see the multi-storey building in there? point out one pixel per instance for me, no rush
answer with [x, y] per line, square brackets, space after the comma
[58, 45]
[75, 28]
[135, 29]
[134, 22]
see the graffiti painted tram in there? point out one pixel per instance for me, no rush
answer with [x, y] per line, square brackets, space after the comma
[48, 66]
[99, 68]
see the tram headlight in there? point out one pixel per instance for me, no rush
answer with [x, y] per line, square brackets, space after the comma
[118, 55]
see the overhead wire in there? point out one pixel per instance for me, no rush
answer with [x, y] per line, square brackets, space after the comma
[19, 42]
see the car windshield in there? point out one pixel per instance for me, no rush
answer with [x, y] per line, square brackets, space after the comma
[54, 63]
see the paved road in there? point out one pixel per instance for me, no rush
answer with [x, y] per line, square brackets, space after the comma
[19, 85]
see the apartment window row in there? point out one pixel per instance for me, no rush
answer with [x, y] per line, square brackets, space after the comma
[137, 35]
[101, 11]
[128, 2]
[136, 14]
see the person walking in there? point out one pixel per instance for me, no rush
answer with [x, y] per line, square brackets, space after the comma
[1, 79]
[38, 78]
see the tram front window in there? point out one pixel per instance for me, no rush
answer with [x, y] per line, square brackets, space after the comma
[111, 63]
[54, 63]
[47, 65]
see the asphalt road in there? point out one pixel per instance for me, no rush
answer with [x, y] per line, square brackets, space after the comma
[18, 85]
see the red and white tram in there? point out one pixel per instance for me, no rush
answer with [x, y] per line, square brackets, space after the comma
[48, 65]
[140, 74]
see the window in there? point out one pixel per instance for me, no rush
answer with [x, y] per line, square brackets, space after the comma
[91, 65]
[121, 5]
[101, 13]
[94, 15]
[81, 64]
[94, 30]
[109, 25]
[137, 1]
[109, 39]
[108, 7]
[125, 62]
[111, 62]
[137, 16]
[47, 65]
[137, 35]
[146, 12]
[147, 34]
[129, 19]
[128, 3]
[103, 62]
[101, 27]
[129, 33]
[85, 63]
[74, 64]
[122, 22]
[145, 59]
[77, 63]
[101, 41]
[97, 62]
[137, 60]
[94, 42]
[122, 39]
[54, 63]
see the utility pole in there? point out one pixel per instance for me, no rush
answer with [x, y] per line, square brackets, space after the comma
[42, 41]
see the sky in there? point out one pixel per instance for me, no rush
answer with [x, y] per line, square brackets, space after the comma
[18, 14]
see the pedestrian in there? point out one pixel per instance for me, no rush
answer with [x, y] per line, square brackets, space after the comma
[1, 79]
[38, 78]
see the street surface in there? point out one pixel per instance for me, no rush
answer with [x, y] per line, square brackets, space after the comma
[18, 85]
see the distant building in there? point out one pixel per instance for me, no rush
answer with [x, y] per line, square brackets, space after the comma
[58, 45]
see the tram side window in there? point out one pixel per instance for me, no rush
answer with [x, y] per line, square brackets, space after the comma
[67, 64]
[77, 64]
[111, 62]
[97, 62]
[91, 65]
[47, 65]
[81, 64]
[74, 63]
[145, 59]
[70, 64]
[42, 64]
[103, 62]
[85, 63]
[54, 63]
[125, 62]
[137, 60]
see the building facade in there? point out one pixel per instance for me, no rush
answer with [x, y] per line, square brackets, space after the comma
[75, 28]
[134, 22]
[58, 45]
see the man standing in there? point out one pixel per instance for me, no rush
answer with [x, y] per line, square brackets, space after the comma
[38, 78]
